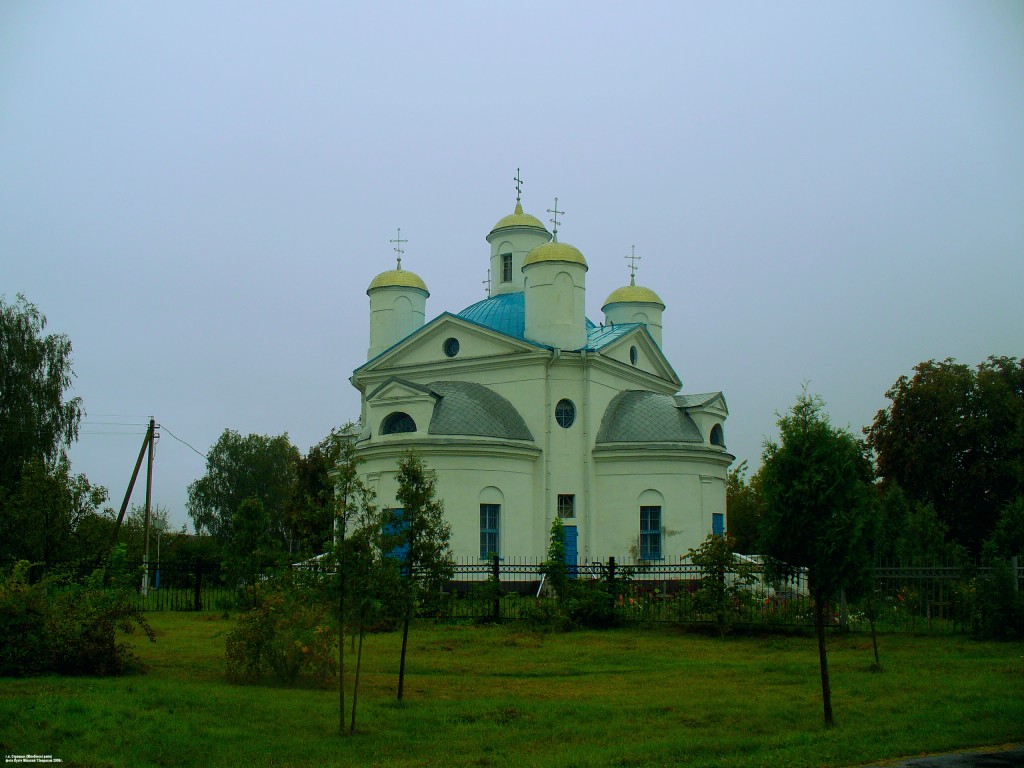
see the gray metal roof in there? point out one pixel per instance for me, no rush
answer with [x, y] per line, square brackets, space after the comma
[464, 408]
[646, 417]
[696, 401]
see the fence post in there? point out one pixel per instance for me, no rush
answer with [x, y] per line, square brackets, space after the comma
[197, 600]
[496, 574]
[611, 580]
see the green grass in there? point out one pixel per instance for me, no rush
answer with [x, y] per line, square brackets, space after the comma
[498, 696]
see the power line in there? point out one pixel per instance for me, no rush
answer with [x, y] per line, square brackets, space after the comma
[168, 431]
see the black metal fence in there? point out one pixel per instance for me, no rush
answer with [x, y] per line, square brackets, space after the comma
[936, 597]
[638, 592]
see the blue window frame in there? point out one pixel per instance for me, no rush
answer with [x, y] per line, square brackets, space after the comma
[718, 524]
[490, 515]
[650, 533]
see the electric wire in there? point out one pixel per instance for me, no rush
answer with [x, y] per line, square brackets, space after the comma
[168, 431]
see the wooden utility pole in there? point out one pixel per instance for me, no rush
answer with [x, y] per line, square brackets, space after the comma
[149, 503]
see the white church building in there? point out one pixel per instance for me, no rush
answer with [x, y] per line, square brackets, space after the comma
[527, 410]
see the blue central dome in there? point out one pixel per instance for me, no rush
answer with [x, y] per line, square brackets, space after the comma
[505, 313]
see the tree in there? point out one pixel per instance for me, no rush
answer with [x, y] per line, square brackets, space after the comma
[815, 502]
[953, 437]
[744, 508]
[311, 515]
[133, 532]
[36, 422]
[418, 528]
[238, 468]
[42, 503]
[49, 513]
[554, 568]
[253, 547]
[725, 581]
[355, 549]
[1007, 541]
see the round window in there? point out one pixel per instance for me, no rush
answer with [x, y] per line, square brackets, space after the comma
[633, 355]
[451, 346]
[565, 413]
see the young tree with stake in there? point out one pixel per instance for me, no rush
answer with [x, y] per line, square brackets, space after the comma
[815, 502]
[422, 532]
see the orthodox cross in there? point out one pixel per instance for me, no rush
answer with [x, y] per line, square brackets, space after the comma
[519, 186]
[633, 259]
[487, 282]
[555, 211]
[398, 246]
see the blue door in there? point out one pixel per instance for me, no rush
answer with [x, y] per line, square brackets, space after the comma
[571, 551]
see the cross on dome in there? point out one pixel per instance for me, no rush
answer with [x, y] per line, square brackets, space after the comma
[633, 259]
[555, 212]
[519, 186]
[398, 246]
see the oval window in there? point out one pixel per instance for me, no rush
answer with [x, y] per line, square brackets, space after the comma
[451, 347]
[565, 413]
[633, 355]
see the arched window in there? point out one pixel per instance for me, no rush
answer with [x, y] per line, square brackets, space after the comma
[651, 504]
[506, 267]
[717, 435]
[396, 423]
[491, 500]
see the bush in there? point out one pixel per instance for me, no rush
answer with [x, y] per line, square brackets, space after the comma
[60, 625]
[23, 647]
[590, 605]
[544, 614]
[284, 637]
[999, 607]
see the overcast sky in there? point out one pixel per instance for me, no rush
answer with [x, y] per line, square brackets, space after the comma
[198, 193]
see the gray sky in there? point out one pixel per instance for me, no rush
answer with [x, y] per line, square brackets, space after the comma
[199, 193]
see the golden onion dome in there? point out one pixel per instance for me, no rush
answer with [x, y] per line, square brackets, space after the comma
[398, 278]
[633, 294]
[518, 219]
[555, 252]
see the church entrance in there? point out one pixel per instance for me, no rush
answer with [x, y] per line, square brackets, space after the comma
[571, 550]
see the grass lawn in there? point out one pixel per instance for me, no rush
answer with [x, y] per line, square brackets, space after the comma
[498, 696]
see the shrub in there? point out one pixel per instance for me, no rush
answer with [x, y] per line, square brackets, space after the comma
[590, 605]
[283, 637]
[61, 625]
[999, 608]
[544, 614]
[23, 648]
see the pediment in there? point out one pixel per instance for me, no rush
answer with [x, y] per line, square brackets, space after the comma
[648, 357]
[709, 402]
[397, 390]
[432, 344]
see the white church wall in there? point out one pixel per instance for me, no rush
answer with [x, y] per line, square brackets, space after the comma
[620, 488]
[464, 481]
